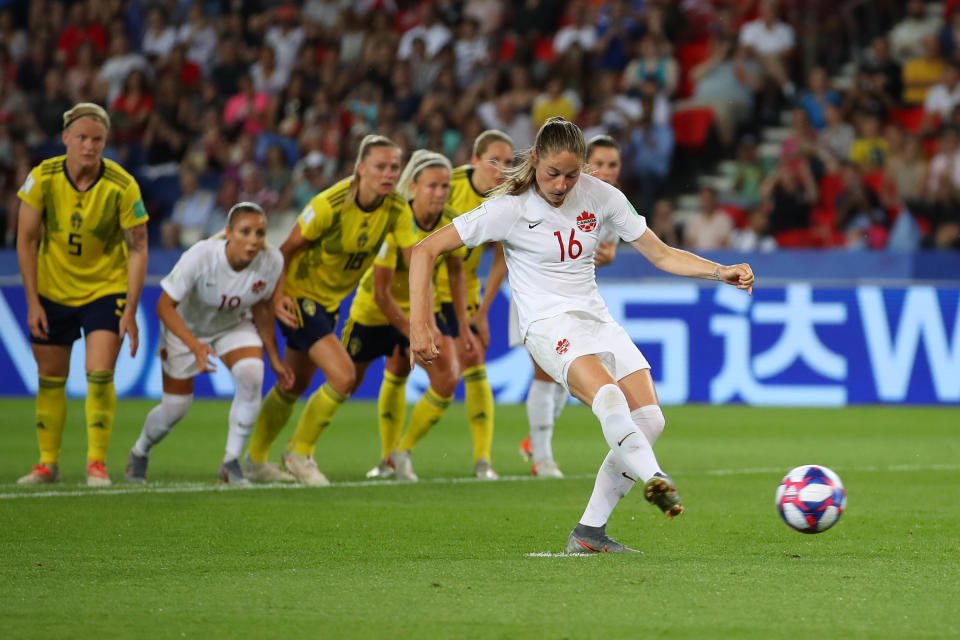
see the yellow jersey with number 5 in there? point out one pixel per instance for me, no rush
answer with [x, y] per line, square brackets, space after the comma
[82, 252]
[342, 242]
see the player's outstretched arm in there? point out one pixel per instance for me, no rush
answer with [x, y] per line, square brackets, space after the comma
[136, 240]
[283, 306]
[382, 282]
[458, 292]
[263, 320]
[498, 271]
[29, 229]
[424, 336]
[684, 263]
[171, 319]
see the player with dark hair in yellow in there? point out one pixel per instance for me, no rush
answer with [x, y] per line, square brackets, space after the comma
[378, 323]
[335, 240]
[492, 154]
[82, 247]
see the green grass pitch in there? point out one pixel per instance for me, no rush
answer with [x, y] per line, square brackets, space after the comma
[444, 559]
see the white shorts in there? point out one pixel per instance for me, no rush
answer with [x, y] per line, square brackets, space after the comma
[179, 362]
[513, 326]
[556, 342]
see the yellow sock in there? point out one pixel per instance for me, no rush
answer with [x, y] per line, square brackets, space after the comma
[392, 411]
[429, 409]
[100, 408]
[479, 403]
[274, 413]
[321, 406]
[51, 414]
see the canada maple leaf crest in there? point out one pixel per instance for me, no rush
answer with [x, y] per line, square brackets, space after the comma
[562, 345]
[259, 286]
[586, 222]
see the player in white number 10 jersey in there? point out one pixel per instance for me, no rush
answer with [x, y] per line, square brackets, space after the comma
[549, 218]
[217, 302]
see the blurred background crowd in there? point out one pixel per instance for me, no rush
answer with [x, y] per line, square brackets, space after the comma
[748, 124]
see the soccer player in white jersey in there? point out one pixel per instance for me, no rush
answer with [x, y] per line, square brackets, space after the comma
[217, 302]
[549, 218]
[546, 398]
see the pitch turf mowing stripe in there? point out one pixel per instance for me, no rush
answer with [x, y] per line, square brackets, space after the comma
[196, 487]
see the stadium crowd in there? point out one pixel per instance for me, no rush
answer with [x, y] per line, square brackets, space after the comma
[218, 101]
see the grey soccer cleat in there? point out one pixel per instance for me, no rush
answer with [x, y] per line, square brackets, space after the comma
[484, 470]
[136, 468]
[659, 490]
[584, 540]
[403, 466]
[231, 474]
[382, 471]
[264, 471]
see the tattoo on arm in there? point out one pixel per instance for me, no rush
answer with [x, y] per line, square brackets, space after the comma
[136, 237]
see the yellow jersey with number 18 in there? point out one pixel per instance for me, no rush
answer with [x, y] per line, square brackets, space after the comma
[342, 241]
[82, 252]
[463, 198]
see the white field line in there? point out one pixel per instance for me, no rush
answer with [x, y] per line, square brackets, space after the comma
[13, 492]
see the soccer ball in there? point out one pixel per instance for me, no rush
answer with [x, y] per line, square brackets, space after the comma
[811, 498]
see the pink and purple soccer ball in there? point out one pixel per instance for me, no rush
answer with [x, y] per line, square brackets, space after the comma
[811, 498]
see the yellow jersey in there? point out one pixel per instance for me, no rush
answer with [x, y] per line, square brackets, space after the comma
[342, 242]
[364, 308]
[82, 252]
[463, 198]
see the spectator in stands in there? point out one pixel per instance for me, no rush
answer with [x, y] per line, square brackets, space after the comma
[747, 174]
[285, 37]
[228, 69]
[158, 37]
[663, 223]
[616, 29]
[869, 147]
[488, 13]
[858, 210]
[919, 74]
[267, 76]
[33, 68]
[48, 107]
[773, 41]
[434, 33]
[906, 166]
[471, 49]
[790, 191]
[754, 237]
[942, 97]
[248, 109]
[650, 152]
[501, 114]
[323, 13]
[14, 37]
[253, 188]
[879, 61]
[82, 75]
[650, 61]
[556, 101]
[131, 109]
[580, 31]
[710, 227]
[198, 36]
[312, 180]
[117, 68]
[725, 82]
[907, 36]
[837, 135]
[80, 30]
[817, 96]
[191, 212]
[868, 94]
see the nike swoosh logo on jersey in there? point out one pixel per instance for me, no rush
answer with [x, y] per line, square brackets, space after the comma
[531, 226]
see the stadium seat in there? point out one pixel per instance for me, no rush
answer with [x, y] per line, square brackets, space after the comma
[910, 118]
[691, 127]
[689, 56]
[739, 215]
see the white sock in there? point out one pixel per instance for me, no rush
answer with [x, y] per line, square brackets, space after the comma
[611, 485]
[623, 436]
[248, 377]
[540, 414]
[650, 420]
[560, 395]
[161, 420]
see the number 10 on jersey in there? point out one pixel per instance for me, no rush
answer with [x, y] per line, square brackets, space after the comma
[574, 249]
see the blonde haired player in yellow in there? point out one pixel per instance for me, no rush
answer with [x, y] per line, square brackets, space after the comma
[378, 324]
[546, 397]
[82, 247]
[469, 186]
[335, 240]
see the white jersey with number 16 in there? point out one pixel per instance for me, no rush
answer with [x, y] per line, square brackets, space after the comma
[550, 250]
[212, 297]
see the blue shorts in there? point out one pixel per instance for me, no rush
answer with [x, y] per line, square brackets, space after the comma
[447, 320]
[365, 343]
[315, 323]
[65, 323]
